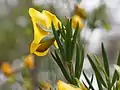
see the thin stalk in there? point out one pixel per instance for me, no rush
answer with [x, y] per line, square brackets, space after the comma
[34, 75]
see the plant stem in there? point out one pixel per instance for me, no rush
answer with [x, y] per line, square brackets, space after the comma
[34, 75]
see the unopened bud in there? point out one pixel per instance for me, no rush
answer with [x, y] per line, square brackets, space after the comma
[29, 62]
[77, 19]
[6, 69]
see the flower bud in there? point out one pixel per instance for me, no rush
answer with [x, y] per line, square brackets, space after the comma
[77, 19]
[29, 62]
[6, 69]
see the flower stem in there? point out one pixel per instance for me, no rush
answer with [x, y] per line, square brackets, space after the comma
[34, 75]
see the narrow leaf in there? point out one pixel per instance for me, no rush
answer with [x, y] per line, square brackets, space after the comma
[99, 83]
[62, 32]
[81, 60]
[105, 60]
[68, 41]
[97, 73]
[115, 75]
[60, 64]
[58, 40]
[89, 82]
[77, 62]
[74, 37]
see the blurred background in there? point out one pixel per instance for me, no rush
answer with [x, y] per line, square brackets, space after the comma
[16, 31]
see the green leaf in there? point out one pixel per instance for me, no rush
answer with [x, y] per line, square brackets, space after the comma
[62, 31]
[114, 88]
[99, 83]
[77, 67]
[105, 60]
[69, 29]
[89, 82]
[117, 69]
[106, 66]
[92, 78]
[61, 47]
[118, 85]
[60, 64]
[97, 73]
[100, 67]
[79, 61]
[74, 37]
[68, 41]
[115, 75]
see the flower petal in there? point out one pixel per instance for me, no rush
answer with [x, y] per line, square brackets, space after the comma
[65, 86]
[52, 18]
[41, 53]
[77, 19]
[33, 49]
[41, 49]
[55, 43]
[37, 17]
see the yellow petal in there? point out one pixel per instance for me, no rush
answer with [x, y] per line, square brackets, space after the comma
[41, 53]
[33, 49]
[38, 34]
[55, 43]
[41, 49]
[38, 18]
[52, 18]
[64, 86]
[77, 19]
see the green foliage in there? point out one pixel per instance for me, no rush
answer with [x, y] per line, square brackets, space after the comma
[67, 40]
[79, 60]
[115, 75]
[102, 72]
[88, 81]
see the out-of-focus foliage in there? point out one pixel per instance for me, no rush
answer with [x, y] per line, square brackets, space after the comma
[15, 29]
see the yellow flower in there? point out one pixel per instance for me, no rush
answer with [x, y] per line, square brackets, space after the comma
[7, 69]
[45, 86]
[64, 86]
[77, 19]
[80, 11]
[42, 25]
[29, 62]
